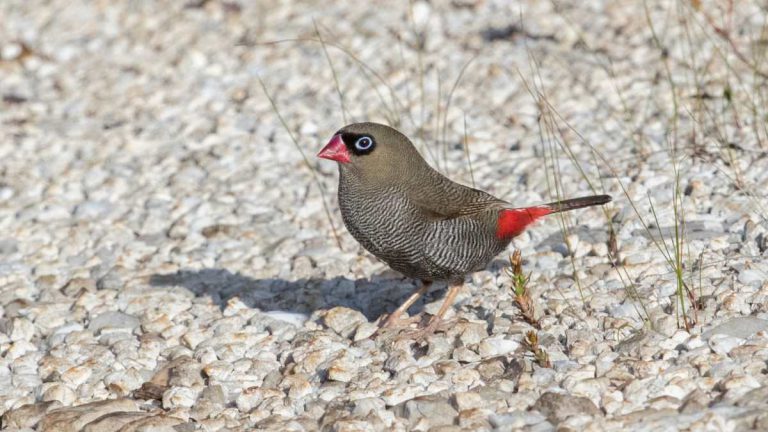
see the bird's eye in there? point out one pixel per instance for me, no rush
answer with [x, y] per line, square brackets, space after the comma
[364, 143]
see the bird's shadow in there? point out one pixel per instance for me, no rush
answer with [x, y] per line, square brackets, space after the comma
[372, 297]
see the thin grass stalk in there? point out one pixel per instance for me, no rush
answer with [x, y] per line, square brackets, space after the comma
[466, 151]
[307, 164]
[333, 72]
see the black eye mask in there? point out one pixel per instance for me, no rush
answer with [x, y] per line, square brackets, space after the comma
[359, 144]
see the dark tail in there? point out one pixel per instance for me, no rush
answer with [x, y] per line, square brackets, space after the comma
[577, 203]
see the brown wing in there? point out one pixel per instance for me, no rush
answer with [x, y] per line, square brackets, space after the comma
[440, 198]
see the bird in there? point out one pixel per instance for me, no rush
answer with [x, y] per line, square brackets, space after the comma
[416, 220]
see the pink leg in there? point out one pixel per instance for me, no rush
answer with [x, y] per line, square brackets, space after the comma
[453, 291]
[435, 321]
[395, 315]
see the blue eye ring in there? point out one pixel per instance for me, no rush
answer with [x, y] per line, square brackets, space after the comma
[364, 143]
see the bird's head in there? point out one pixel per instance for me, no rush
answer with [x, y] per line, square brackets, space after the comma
[371, 150]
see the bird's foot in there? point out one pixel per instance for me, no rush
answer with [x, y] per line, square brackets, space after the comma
[396, 320]
[435, 324]
[395, 323]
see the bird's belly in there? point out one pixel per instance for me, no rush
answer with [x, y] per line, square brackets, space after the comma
[388, 240]
[388, 231]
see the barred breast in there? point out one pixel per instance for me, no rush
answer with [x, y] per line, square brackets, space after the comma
[385, 224]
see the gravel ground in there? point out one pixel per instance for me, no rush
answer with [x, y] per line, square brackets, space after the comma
[166, 262]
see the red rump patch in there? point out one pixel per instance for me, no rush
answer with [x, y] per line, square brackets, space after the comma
[512, 222]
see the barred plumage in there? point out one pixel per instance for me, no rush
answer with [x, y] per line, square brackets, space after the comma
[415, 242]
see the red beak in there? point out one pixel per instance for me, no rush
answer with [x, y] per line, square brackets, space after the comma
[335, 150]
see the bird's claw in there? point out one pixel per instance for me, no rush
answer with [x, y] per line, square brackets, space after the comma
[435, 324]
[402, 327]
[394, 323]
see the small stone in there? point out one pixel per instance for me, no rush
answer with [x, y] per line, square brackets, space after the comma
[466, 355]
[218, 370]
[346, 425]
[365, 406]
[76, 286]
[514, 370]
[185, 372]
[342, 370]
[302, 267]
[60, 333]
[59, 392]
[27, 416]
[192, 338]
[73, 419]
[110, 281]
[343, 320]
[157, 325]
[292, 318]
[517, 420]
[475, 419]
[739, 327]
[365, 330]
[8, 245]
[694, 342]
[114, 421]
[665, 325]
[543, 377]
[694, 402]
[26, 380]
[757, 398]
[298, 386]
[439, 347]
[308, 128]
[19, 348]
[249, 399]
[179, 397]
[496, 346]
[558, 407]
[468, 400]
[433, 308]
[11, 51]
[421, 11]
[399, 394]
[20, 329]
[160, 381]
[124, 381]
[435, 410]
[465, 378]
[77, 375]
[113, 319]
[150, 391]
[491, 368]
[637, 258]
[214, 394]
[723, 344]
[752, 277]
[738, 385]
[92, 210]
[473, 334]
[152, 423]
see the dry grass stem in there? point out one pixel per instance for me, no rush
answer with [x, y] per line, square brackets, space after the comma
[541, 356]
[520, 288]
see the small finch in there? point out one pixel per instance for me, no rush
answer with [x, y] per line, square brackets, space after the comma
[418, 221]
